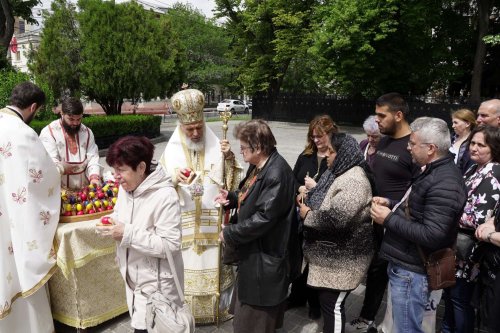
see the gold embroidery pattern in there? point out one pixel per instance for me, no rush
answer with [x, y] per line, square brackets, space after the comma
[4, 310]
[32, 245]
[2, 178]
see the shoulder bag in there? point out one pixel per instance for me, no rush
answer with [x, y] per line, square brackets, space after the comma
[163, 315]
[439, 265]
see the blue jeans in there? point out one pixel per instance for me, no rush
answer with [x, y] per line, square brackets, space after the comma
[458, 312]
[409, 295]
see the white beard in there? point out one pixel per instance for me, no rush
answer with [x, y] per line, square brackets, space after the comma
[196, 146]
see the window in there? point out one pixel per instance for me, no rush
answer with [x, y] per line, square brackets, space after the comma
[21, 26]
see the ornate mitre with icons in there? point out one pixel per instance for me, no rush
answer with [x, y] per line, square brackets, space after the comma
[188, 104]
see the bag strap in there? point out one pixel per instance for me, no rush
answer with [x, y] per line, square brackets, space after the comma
[170, 260]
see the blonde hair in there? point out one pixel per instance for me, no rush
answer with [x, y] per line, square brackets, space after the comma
[465, 115]
[323, 124]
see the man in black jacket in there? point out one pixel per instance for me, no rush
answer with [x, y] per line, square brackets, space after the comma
[426, 216]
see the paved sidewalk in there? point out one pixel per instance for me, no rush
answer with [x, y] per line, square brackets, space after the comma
[291, 139]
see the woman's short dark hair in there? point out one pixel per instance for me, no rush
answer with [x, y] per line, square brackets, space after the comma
[491, 138]
[72, 106]
[257, 134]
[131, 151]
[323, 124]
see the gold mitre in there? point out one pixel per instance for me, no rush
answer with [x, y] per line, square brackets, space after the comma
[188, 104]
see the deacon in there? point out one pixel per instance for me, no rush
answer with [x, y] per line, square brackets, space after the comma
[29, 213]
[195, 157]
[72, 147]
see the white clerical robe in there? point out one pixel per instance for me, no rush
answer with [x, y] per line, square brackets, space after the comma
[84, 162]
[29, 214]
[200, 223]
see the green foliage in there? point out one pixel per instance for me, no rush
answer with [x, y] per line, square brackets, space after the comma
[125, 53]
[267, 35]
[492, 39]
[58, 56]
[368, 47]
[204, 45]
[10, 79]
[115, 126]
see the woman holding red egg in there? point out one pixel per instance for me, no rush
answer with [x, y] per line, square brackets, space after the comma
[145, 220]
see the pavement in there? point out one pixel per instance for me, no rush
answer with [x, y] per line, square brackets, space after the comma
[291, 139]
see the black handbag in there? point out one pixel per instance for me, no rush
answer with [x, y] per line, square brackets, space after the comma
[465, 242]
[230, 255]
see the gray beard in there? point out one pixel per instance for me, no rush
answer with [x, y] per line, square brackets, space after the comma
[196, 146]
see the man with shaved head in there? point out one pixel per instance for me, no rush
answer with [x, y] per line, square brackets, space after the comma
[489, 113]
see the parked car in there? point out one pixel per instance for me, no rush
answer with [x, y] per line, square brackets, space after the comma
[233, 105]
[249, 104]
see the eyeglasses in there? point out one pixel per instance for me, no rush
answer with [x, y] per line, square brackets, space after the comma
[413, 144]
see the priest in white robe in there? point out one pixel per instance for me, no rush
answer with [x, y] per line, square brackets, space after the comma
[195, 149]
[72, 147]
[29, 213]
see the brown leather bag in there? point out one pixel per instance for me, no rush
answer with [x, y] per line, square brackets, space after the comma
[440, 267]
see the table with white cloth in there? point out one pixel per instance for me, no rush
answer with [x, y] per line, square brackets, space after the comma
[87, 288]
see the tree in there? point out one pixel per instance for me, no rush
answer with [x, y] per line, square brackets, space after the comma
[266, 36]
[9, 9]
[484, 9]
[58, 55]
[204, 45]
[125, 53]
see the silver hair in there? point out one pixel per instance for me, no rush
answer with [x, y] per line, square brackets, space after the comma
[370, 125]
[435, 131]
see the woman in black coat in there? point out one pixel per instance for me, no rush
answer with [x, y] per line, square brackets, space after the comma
[265, 233]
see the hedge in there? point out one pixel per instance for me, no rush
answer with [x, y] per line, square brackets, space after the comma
[107, 129]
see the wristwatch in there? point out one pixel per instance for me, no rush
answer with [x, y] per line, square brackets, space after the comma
[489, 236]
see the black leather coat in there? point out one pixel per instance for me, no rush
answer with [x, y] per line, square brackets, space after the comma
[435, 205]
[265, 235]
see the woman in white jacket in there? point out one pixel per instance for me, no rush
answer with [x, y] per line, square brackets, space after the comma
[146, 218]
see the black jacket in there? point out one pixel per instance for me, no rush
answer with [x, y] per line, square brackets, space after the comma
[265, 234]
[435, 203]
[308, 164]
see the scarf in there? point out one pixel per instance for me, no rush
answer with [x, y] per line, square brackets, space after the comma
[348, 156]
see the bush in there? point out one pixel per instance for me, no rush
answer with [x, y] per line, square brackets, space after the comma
[11, 78]
[107, 129]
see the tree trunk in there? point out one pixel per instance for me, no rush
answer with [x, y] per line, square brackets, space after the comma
[6, 27]
[111, 106]
[483, 8]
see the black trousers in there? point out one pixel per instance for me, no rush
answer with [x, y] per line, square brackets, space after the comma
[332, 304]
[301, 293]
[376, 280]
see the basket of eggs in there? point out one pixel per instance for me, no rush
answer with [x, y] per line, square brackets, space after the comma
[89, 203]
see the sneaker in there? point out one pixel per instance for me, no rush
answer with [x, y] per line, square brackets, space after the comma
[359, 325]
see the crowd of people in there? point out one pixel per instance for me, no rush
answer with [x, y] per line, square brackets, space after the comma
[346, 211]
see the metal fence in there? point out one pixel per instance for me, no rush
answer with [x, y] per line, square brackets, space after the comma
[302, 108]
